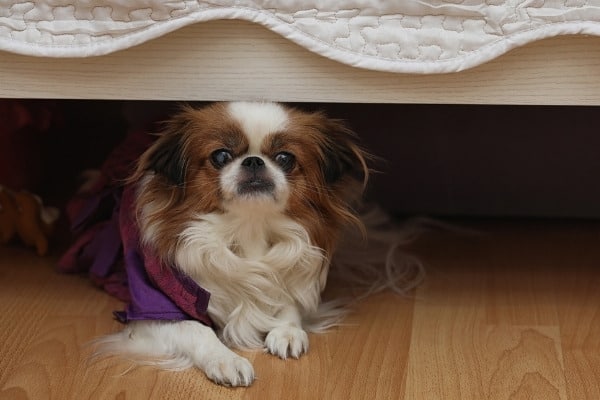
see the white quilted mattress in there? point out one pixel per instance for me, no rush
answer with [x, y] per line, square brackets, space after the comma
[426, 36]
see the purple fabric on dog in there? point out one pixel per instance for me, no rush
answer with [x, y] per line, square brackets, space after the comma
[98, 248]
[108, 247]
[157, 291]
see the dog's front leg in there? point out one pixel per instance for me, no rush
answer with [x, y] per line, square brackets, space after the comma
[287, 339]
[194, 341]
[208, 353]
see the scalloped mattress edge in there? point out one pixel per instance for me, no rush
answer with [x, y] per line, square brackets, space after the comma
[470, 59]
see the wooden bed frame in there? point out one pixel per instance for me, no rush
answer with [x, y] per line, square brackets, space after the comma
[225, 60]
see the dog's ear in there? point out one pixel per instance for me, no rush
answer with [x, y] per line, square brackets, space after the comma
[342, 156]
[166, 158]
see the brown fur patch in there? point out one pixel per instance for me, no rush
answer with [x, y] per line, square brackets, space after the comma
[327, 175]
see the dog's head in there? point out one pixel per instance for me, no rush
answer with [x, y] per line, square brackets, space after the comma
[255, 158]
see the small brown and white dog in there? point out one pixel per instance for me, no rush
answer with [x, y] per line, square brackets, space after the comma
[248, 200]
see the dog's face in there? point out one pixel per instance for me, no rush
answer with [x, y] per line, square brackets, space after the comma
[259, 166]
[255, 158]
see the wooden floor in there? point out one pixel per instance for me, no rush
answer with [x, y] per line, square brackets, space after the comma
[512, 313]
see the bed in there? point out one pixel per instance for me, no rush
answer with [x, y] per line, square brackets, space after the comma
[499, 52]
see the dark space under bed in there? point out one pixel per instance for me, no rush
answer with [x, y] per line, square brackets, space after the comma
[440, 160]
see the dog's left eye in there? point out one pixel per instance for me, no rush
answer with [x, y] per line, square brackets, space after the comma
[285, 160]
[221, 157]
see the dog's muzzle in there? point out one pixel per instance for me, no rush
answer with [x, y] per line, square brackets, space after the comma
[255, 178]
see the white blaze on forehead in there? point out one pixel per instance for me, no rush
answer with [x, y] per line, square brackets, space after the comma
[258, 120]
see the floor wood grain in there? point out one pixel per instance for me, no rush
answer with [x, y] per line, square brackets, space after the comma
[510, 313]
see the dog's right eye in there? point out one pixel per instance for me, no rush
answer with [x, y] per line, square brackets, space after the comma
[221, 158]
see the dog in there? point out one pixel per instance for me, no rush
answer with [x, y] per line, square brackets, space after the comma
[232, 217]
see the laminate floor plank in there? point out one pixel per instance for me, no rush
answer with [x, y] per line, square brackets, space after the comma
[509, 313]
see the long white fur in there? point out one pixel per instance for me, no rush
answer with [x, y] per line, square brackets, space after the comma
[179, 345]
[252, 284]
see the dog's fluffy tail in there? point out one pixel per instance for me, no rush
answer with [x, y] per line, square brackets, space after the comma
[369, 264]
[380, 261]
[141, 345]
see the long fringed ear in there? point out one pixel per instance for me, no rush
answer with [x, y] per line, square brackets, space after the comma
[342, 156]
[166, 158]
[344, 168]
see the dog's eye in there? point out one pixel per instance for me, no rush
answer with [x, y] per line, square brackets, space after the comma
[285, 160]
[221, 157]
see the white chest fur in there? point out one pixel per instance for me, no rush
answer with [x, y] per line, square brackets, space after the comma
[254, 267]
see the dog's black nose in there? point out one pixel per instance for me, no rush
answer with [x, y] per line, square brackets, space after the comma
[253, 163]
[255, 178]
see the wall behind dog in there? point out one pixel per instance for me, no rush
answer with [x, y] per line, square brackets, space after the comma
[440, 160]
[491, 161]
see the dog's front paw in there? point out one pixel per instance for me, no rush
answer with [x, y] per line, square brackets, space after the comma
[287, 341]
[230, 370]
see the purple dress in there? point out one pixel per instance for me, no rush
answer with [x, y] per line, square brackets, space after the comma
[156, 291]
[107, 246]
